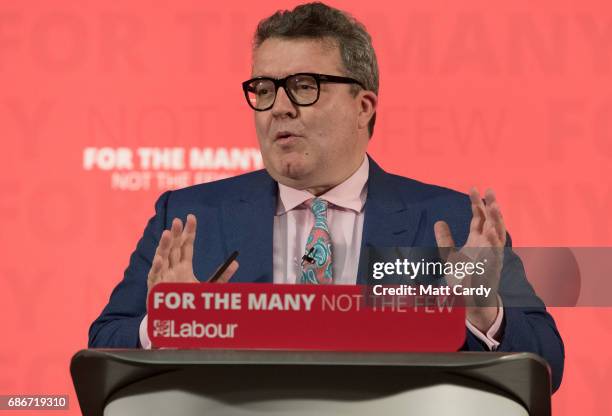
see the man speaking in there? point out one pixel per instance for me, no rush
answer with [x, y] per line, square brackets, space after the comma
[313, 92]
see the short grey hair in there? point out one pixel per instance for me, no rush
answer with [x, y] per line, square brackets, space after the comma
[319, 21]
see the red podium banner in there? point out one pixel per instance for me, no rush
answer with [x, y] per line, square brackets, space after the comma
[301, 317]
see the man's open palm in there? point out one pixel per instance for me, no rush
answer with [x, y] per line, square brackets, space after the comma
[173, 260]
[485, 243]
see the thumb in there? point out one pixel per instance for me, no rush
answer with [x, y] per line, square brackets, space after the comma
[444, 239]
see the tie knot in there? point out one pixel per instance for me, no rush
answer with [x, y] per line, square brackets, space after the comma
[318, 207]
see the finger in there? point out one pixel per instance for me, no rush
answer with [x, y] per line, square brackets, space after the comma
[155, 271]
[492, 237]
[444, 238]
[156, 266]
[497, 221]
[189, 233]
[175, 249]
[228, 273]
[163, 248]
[494, 215]
[478, 211]
[489, 196]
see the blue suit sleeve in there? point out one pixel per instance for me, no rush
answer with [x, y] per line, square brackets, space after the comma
[118, 324]
[527, 326]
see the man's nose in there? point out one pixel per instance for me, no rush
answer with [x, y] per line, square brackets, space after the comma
[283, 107]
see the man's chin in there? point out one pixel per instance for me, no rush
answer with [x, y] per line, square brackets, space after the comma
[292, 172]
[295, 172]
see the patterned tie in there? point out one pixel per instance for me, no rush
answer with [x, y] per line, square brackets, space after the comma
[317, 265]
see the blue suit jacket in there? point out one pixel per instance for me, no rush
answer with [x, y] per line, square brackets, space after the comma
[238, 213]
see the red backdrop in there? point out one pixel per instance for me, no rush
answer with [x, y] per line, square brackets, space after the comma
[515, 96]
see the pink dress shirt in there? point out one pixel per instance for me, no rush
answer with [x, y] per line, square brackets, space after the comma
[345, 214]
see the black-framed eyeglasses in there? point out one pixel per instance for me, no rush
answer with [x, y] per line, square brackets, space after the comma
[303, 89]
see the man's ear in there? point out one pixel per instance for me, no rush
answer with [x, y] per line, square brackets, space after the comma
[367, 101]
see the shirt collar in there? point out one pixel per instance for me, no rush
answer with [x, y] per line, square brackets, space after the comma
[350, 194]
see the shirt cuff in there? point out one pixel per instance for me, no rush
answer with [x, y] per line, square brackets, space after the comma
[492, 337]
[145, 342]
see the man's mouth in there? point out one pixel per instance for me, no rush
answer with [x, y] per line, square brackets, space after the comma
[285, 136]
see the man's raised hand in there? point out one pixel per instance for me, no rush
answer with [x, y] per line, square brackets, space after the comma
[487, 228]
[485, 243]
[173, 260]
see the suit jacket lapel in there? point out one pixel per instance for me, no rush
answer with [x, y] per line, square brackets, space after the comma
[248, 223]
[389, 221]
